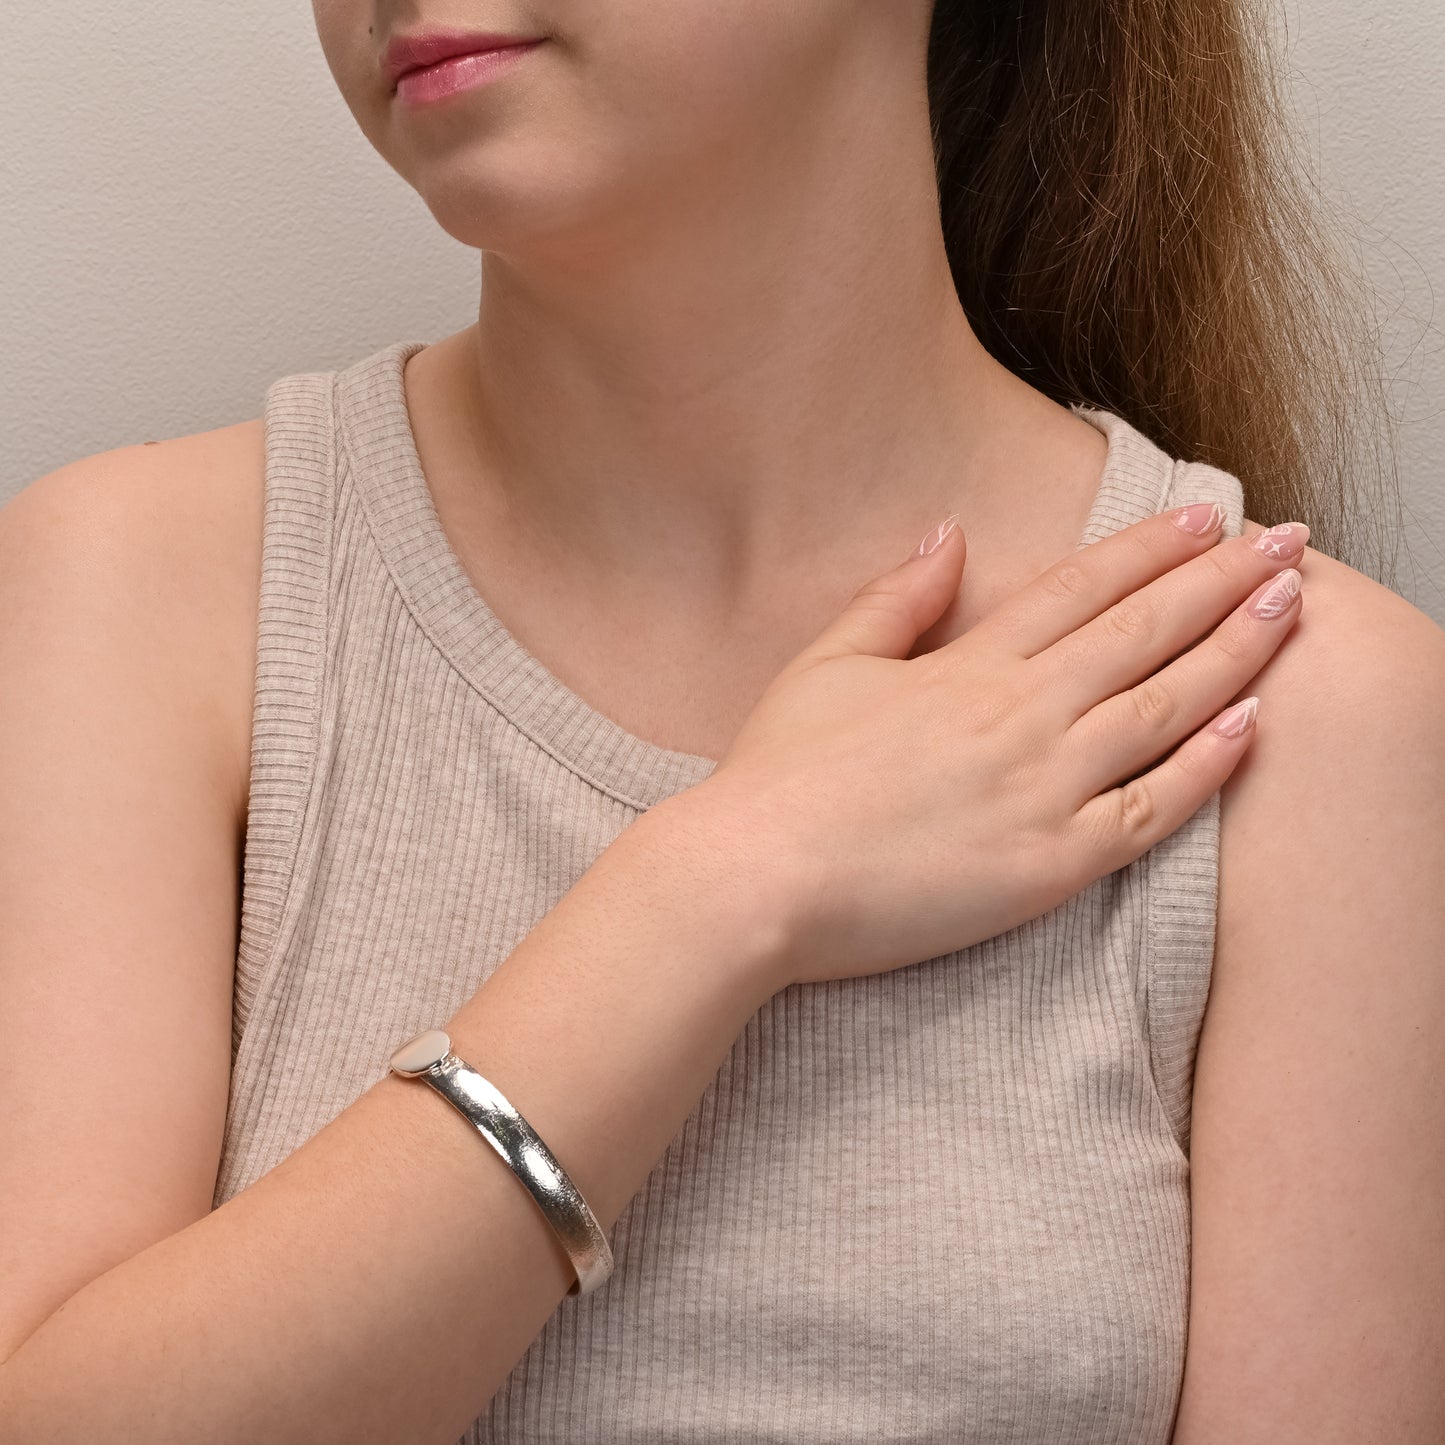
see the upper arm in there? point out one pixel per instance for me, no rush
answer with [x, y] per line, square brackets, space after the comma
[120, 669]
[1317, 1308]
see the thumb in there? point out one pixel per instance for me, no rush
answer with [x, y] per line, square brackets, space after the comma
[888, 613]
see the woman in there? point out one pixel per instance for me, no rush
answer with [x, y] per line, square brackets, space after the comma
[843, 925]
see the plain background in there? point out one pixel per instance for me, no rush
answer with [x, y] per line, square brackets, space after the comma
[191, 212]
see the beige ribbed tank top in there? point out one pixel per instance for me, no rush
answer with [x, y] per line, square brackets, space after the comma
[945, 1203]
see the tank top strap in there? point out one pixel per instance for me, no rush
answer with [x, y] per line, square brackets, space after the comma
[1181, 873]
[1142, 479]
[1183, 901]
[296, 564]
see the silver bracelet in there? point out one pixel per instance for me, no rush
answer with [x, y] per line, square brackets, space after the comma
[429, 1057]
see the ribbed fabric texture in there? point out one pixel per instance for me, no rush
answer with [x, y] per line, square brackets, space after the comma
[945, 1203]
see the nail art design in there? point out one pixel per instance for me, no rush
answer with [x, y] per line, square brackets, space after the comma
[1239, 717]
[1201, 518]
[933, 540]
[1277, 597]
[1281, 541]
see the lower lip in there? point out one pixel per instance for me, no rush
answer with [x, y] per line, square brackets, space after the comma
[457, 73]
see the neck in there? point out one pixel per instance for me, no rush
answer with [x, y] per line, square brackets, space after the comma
[764, 362]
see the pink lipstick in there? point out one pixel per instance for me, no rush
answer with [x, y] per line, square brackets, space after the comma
[424, 68]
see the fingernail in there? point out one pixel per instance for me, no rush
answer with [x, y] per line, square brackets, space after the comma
[935, 538]
[1234, 720]
[1278, 593]
[1282, 541]
[1200, 518]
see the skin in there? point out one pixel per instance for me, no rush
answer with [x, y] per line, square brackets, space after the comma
[710, 385]
[618, 188]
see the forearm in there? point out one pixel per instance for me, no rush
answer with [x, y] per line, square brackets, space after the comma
[383, 1280]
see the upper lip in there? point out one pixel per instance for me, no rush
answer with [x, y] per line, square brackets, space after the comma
[411, 52]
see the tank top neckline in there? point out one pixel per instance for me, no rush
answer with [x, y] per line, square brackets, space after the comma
[377, 449]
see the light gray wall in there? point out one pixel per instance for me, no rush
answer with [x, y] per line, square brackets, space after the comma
[191, 212]
[1367, 94]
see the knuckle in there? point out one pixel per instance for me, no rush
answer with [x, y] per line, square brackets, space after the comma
[1132, 621]
[1155, 705]
[1238, 644]
[1159, 544]
[1065, 581]
[879, 597]
[946, 699]
[874, 589]
[1222, 565]
[1137, 807]
[1190, 763]
[992, 709]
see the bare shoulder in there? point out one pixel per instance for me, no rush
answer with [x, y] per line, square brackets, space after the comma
[1363, 668]
[1337, 804]
[1318, 1135]
[165, 535]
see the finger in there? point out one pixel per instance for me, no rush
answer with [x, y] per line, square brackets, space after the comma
[1077, 588]
[1131, 730]
[887, 614]
[1134, 638]
[1114, 828]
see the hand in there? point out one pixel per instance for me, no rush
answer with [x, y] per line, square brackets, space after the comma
[917, 805]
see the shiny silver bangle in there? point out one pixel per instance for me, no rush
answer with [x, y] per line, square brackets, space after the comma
[429, 1057]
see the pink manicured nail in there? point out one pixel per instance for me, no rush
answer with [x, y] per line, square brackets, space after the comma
[1201, 518]
[1282, 541]
[1278, 593]
[1233, 721]
[937, 536]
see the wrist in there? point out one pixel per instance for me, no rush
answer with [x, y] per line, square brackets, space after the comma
[720, 856]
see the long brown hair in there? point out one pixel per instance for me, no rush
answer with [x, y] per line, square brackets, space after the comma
[1131, 224]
